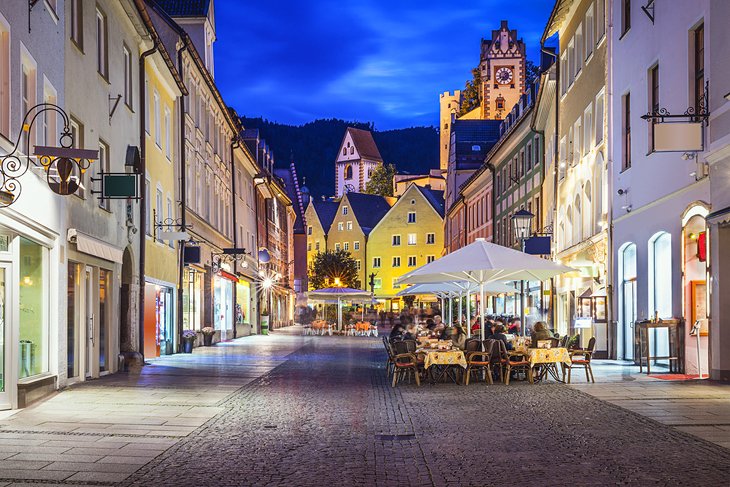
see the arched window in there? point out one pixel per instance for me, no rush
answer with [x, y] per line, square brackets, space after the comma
[588, 229]
[348, 172]
[568, 240]
[352, 149]
[344, 151]
[660, 275]
[577, 220]
[598, 192]
[627, 297]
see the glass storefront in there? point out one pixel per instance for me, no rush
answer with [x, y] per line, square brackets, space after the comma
[164, 318]
[72, 358]
[104, 316]
[2, 329]
[192, 299]
[32, 321]
[243, 303]
[222, 305]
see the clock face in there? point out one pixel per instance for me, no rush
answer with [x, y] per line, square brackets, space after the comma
[349, 188]
[503, 76]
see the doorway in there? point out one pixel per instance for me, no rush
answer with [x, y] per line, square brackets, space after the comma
[627, 297]
[5, 300]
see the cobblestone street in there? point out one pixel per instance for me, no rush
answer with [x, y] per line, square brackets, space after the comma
[319, 411]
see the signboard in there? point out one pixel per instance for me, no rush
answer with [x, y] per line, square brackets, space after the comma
[678, 137]
[583, 322]
[119, 186]
[537, 245]
[191, 254]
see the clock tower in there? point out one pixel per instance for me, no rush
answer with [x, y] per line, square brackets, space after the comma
[502, 66]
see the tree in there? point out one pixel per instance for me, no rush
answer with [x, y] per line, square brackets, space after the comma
[330, 265]
[472, 93]
[381, 180]
[532, 72]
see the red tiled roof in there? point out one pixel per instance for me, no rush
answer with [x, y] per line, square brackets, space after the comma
[365, 144]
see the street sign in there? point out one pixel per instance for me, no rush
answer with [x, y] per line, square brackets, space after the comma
[119, 185]
[191, 254]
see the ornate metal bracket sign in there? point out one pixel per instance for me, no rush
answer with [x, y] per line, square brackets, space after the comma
[64, 166]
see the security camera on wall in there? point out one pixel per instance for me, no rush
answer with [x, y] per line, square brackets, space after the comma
[622, 191]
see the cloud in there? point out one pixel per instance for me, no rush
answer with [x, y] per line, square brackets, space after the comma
[374, 60]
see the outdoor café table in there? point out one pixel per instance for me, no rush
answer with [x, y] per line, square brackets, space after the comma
[443, 363]
[550, 357]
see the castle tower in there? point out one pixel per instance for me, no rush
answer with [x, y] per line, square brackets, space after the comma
[356, 160]
[449, 107]
[502, 64]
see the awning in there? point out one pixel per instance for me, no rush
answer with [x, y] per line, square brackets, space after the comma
[227, 275]
[93, 246]
[719, 216]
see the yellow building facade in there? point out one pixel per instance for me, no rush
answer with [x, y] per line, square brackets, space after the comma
[319, 216]
[408, 236]
[162, 91]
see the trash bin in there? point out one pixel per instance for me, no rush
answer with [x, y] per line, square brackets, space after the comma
[26, 358]
[264, 324]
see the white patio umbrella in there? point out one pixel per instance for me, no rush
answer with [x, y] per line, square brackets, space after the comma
[482, 262]
[339, 293]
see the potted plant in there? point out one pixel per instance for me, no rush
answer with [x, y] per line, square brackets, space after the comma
[208, 333]
[188, 339]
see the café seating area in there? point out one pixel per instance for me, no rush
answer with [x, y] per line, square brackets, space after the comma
[434, 360]
[323, 327]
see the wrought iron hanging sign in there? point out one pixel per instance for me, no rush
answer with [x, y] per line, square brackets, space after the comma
[64, 166]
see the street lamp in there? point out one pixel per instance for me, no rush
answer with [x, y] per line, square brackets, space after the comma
[522, 220]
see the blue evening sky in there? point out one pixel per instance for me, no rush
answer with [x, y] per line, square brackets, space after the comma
[384, 61]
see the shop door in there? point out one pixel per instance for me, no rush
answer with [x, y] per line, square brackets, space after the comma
[5, 300]
[89, 322]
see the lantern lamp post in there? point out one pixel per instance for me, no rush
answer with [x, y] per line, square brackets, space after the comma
[522, 221]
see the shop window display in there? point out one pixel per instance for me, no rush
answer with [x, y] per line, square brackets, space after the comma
[33, 323]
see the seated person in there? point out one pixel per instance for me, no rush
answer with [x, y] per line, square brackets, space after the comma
[411, 332]
[430, 326]
[539, 332]
[458, 337]
[476, 325]
[397, 332]
[515, 326]
[499, 335]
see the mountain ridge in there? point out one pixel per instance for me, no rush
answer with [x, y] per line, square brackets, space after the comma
[314, 145]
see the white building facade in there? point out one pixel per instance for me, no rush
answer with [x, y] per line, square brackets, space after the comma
[660, 199]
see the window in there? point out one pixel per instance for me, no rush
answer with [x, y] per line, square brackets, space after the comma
[411, 261]
[660, 275]
[599, 119]
[33, 320]
[340, 226]
[571, 62]
[77, 23]
[587, 130]
[430, 238]
[577, 141]
[316, 245]
[168, 134]
[430, 258]
[352, 149]
[376, 262]
[529, 162]
[587, 210]
[396, 261]
[105, 167]
[590, 42]
[600, 20]
[564, 74]
[348, 172]
[699, 68]
[127, 76]
[5, 80]
[148, 206]
[411, 217]
[309, 230]
[357, 264]
[377, 283]
[309, 246]
[28, 100]
[102, 55]
[344, 210]
[579, 49]
[356, 245]
[344, 151]
[49, 119]
[396, 240]
[147, 105]
[411, 239]
[346, 246]
[653, 101]
[349, 225]
[159, 211]
[625, 16]
[626, 119]
[337, 246]
[158, 131]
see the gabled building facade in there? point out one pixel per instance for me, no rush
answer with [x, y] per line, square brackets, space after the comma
[319, 216]
[408, 236]
[356, 160]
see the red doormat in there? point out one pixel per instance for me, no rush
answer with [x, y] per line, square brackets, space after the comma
[678, 376]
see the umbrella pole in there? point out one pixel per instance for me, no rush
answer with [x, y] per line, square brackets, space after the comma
[522, 307]
[443, 306]
[468, 316]
[481, 305]
[339, 313]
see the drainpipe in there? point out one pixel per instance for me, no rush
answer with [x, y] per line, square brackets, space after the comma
[235, 144]
[608, 113]
[143, 189]
[183, 207]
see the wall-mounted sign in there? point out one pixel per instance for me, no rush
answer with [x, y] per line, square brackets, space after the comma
[537, 245]
[119, 185]
[583, 322]
[191, 254]
[678, 137]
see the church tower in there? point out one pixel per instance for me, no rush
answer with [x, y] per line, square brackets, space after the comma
[356, 160]
[502, 65]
